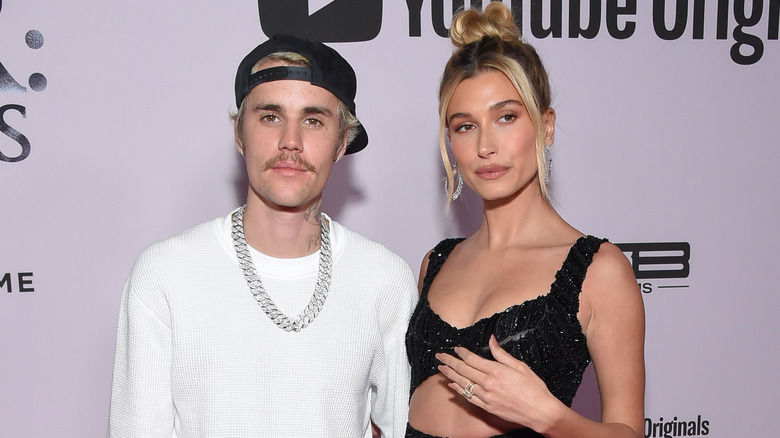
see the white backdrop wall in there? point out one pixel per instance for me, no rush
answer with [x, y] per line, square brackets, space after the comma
[114, 133]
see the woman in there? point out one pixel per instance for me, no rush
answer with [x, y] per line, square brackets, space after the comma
[495, 350]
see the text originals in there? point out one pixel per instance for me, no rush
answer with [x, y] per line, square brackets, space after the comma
[746, 20]
[676, 428]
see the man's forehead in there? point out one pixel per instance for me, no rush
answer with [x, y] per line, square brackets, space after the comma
[293, 95]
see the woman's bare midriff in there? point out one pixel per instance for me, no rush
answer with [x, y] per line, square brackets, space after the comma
[437, 410]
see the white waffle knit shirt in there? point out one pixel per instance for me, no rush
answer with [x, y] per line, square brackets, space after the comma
[196, 356]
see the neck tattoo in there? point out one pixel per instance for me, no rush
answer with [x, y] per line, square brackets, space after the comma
[256, 286]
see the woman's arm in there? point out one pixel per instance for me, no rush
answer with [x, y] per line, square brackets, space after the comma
[616, 331]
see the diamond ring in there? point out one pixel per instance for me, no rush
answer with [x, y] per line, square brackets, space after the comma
[468, 390]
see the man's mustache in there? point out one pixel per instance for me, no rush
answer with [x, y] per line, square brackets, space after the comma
[288, 158]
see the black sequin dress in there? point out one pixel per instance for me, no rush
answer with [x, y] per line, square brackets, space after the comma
[543, 332]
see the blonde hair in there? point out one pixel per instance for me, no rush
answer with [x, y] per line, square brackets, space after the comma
[348, 123]
[490, 40]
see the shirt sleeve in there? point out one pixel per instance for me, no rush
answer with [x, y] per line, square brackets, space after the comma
[141, 398]
[391, 372]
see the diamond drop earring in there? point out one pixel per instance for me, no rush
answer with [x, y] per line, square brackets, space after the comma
[549, 164]
[458, 188]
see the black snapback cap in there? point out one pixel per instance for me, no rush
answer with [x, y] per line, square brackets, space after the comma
[327, 69]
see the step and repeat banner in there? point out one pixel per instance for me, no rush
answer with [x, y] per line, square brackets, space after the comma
[114, 133]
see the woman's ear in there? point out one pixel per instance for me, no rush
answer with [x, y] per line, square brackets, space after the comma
[548, 118]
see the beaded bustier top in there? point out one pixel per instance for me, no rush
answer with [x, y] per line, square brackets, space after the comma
[543, 332]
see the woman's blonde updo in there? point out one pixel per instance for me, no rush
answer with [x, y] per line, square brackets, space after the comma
[471, 26]
[490, 40]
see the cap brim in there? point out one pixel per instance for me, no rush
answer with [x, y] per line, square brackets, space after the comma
[359, 143]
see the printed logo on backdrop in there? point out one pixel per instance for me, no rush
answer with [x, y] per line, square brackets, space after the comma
[748, 23]
[21, 282]
[15, 146]
[322, 20]
[676, 427]
[13, 282]
[659, 265]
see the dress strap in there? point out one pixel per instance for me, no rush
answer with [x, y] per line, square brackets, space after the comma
[436, 259]
[569, 279]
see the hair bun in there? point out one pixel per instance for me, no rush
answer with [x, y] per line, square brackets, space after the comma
[496, 21]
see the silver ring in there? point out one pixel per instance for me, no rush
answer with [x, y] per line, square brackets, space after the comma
[468, 390]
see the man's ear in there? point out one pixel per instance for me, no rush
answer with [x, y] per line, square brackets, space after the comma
[237, 138]
[341, 150]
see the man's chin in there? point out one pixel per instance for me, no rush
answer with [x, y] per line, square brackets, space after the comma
[293, 202]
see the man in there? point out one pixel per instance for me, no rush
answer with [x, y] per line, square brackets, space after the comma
[208, 342]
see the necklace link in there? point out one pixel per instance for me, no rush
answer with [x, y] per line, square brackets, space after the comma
[256, 285]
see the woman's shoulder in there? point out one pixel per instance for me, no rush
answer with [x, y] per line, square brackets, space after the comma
[610, 276]
[610, 261]
[446, 245]
[437, 255]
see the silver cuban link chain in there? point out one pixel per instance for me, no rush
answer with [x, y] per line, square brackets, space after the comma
[256, 286]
